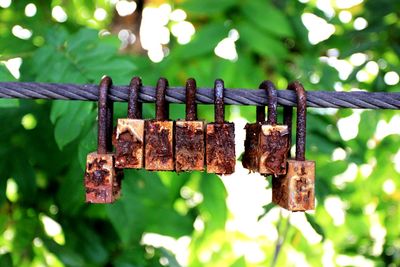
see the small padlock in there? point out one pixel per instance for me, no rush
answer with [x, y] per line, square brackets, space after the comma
[159, 154]
[266, 144]
[220, 137]
[189, 135]
[295, 190]
[102, 180]
[274, 141]
[129, 134]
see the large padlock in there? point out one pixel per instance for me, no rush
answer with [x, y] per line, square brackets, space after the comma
[295, 190]
[102, 180]
[129, 134]
[159, 150]
[220, 137]
[189, 135]
[274, 142]
[266, 144]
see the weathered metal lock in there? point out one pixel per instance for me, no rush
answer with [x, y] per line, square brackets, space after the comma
[189, 135]
[102, 180]
[220, 137]
[295, 190]
[159, 150]
[129, 135]
[267, 144]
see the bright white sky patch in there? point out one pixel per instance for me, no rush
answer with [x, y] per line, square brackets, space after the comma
[125, 8]
[100, 14]
[21, 33]
[391, 78]
[5, 3]
[348, 127]
[59, 14]
[30, 10]
[226, 48]
[345, 16]
[345, 4]
[13, 66]
[178, 15]
[318, 29]
[183, 31]
[357, 59]
[360, 24]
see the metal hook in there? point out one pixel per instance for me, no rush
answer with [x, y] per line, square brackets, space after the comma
[272, 101]
[134, 106]
[191, 106]
[301, 119]
[104, 116]
[161, 103]
[219, 101]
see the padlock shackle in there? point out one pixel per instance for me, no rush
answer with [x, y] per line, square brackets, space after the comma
[288, 121]
[134, 106]
[260, 110]
[301, 119]
[104, 116]
[191, 106]
[161, 102]
[272, 94]
[219, 110]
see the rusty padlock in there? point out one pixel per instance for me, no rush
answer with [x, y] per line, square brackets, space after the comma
[189, 135]
[295, 190]
[102, 180]
[274, 142]
[159, 150]
[220, 137]
[129, 135]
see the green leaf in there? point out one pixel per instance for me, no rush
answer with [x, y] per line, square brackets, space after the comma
[207, 7]
[6, 260]
[69, 118]
[260, 42]
[266, 16]
[204, 41]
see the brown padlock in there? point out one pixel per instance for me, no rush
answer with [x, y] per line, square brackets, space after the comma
[102, 180]
[189, 135]
[220, 137]
[266, 144]
[129, 135]
[159, 149]
[274, 141]
[295, 190]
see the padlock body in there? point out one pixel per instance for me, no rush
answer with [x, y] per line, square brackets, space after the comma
[189, 146]
[220, 148]
[129, 143]
[250, 158]
[273, 148]
[295, 190]
[159, 155]
[102, 180]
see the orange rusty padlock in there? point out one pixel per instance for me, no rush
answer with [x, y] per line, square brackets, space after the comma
[295, 190]
[189, 135]
[159, 150]
[102, 180]
[129, 135]
[266, 144]
[274, 141]
[220, 137]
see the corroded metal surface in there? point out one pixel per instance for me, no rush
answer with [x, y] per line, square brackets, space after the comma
[102, 182]
[295, 190]
[273, 149]
[250, 158]
[220, 148]
[189, 145]
[159, 145]
[129, 143]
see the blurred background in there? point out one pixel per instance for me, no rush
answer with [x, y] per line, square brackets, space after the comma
[197, 219]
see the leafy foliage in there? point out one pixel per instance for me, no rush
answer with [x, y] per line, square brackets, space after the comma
[211, 221]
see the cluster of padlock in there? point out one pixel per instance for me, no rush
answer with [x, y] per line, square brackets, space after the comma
[192, 145]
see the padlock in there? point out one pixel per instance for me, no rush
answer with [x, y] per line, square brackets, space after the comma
[102, 180]
[129, 134]
[266, 144]
[295, 190]
[159, 150]
[274, 141]
[220, 137]
[189, 135]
